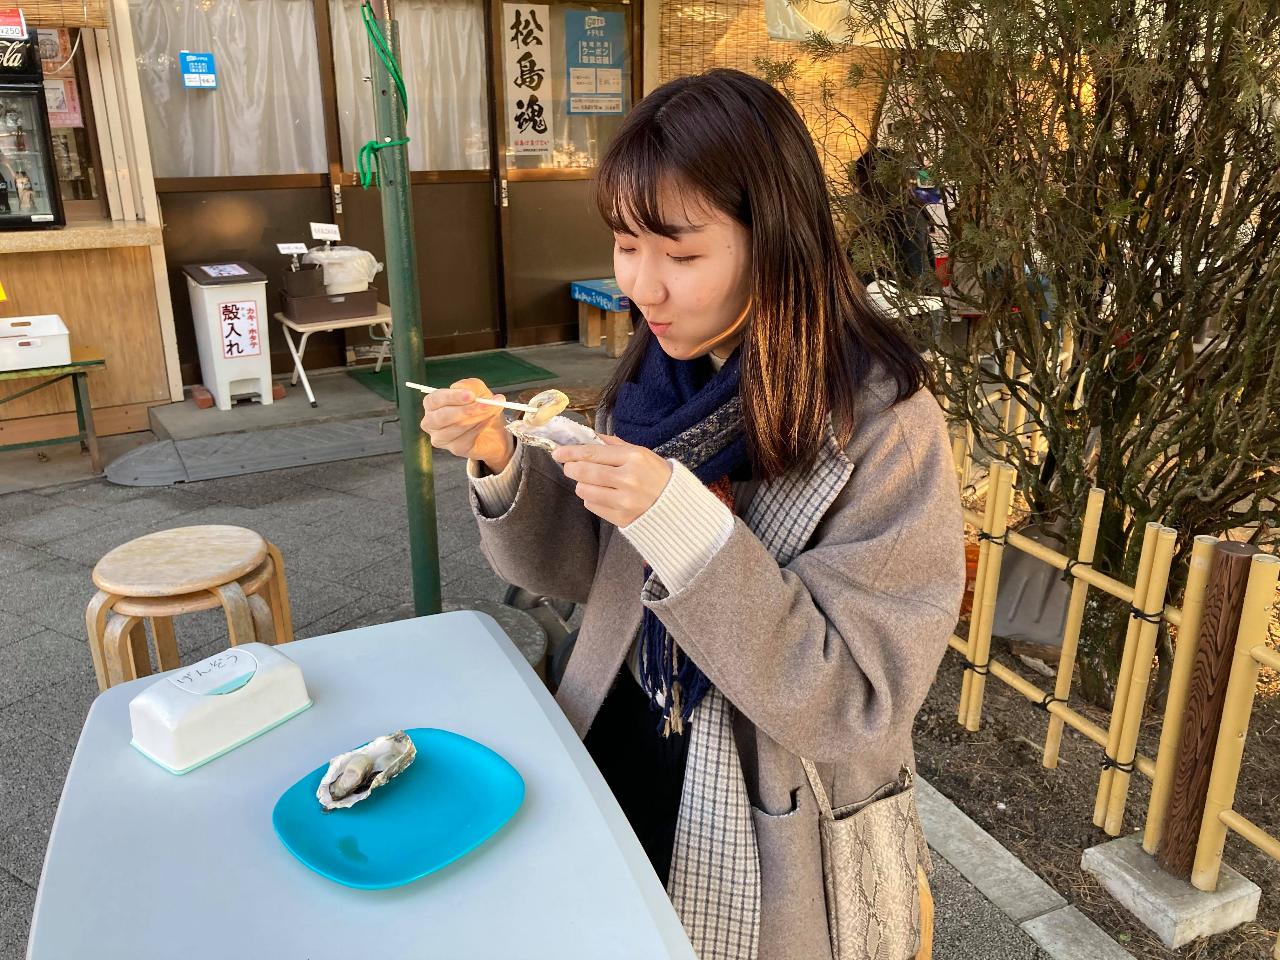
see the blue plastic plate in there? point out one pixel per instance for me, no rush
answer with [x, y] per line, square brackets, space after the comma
[455, 795]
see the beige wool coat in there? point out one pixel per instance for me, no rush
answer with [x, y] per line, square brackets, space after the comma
[828, 658]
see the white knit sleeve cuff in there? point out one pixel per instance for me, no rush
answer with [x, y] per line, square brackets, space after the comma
[497, 491]
[686, 526]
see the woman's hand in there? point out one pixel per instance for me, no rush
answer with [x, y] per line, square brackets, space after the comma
[467, 429]
[618, 481]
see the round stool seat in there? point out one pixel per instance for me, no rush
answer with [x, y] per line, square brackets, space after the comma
[181, 560]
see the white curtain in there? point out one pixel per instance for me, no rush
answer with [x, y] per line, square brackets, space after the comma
[443, 61]
[264, 117]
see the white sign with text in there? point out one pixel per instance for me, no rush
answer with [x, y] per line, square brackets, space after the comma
[526, 42]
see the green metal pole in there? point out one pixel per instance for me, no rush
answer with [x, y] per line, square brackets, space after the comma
[406, 316]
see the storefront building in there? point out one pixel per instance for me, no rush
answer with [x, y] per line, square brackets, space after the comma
[104, 271]
[511, 106]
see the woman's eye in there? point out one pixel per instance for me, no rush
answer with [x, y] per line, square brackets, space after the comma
[622, 249]
[683, 259]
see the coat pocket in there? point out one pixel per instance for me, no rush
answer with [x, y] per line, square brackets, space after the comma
[870, 859]
[793, 915]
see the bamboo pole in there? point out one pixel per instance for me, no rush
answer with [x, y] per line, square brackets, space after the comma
[1114, 587]
[1006, 405]
[982, 642]
[1140, 678]
[1072, 718]
[1018, 410]
[967, 475]
[1126, 673]
[959, 453]
[1068, 351]
[1252, 832]
[1258, 598]
[1071, 631]
[979, 589]
[1184, 657]
[982, 486]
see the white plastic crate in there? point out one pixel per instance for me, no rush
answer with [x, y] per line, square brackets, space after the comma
[40, 341]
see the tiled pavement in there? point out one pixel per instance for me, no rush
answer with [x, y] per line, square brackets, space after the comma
[343, 533]
[340, 526]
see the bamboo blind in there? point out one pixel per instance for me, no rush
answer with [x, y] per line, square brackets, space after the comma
[66, 13]
[699, 36]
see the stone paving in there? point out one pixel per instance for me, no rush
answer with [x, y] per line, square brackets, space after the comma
[342, 530]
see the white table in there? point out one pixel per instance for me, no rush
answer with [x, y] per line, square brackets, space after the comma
[304, 330]
[142, 863]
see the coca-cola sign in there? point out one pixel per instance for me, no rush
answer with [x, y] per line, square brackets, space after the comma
[15, 55]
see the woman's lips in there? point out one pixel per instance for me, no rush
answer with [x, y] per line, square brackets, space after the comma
[658, 328]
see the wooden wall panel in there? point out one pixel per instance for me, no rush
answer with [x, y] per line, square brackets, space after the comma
[107, 299]
[108, 421]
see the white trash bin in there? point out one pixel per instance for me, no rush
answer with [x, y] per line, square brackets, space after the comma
[229, 307]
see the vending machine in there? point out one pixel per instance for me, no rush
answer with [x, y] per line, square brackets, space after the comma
[28, 184]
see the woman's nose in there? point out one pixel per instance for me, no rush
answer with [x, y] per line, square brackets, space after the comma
[647, 290]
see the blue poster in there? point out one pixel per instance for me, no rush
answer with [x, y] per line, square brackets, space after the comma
[197, 70]
[594, 47]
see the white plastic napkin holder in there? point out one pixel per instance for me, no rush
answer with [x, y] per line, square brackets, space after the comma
[196, 714]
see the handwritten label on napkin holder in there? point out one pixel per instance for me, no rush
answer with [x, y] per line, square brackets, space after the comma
[220, 674]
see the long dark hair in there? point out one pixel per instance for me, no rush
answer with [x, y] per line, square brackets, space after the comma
[812, 339]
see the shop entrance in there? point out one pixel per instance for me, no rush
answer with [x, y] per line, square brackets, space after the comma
[564, 80]
[503, 223]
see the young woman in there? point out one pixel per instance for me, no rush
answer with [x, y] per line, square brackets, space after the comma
[769, 541]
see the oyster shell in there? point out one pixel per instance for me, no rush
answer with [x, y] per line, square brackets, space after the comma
[352, 776]
[559, 432]
[549, 404]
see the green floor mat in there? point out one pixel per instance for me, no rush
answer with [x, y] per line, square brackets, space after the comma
[497, 369]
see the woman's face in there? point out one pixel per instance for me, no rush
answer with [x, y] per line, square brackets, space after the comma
[693, 290]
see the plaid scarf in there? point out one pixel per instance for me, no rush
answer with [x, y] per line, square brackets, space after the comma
[714, 883]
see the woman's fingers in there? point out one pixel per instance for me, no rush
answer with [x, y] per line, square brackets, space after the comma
[593, 453]
[461, 394]
[459, 441]
[472, 385]
[597, 474]
[597, 498]
[454, 412]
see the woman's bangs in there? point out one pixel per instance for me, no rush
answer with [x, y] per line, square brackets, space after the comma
[628, 187]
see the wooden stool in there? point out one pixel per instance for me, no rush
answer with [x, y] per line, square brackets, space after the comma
[183, 570]
[604, 315]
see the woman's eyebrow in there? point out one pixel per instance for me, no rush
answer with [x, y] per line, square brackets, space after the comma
[680, 229]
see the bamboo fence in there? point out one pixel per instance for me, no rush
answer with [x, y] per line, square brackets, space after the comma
[1149, 606]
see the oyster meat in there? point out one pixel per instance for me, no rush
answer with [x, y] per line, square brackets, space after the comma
[352, 776]
[548, 404]
[559, 432]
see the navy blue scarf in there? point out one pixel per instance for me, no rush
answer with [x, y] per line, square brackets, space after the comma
[687, 411]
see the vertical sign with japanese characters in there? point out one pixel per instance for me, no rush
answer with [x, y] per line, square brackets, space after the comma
[527, 41]
[593, 54]
[239, 325]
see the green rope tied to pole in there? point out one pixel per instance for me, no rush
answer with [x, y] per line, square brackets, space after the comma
[367, 165]
[367, 162]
